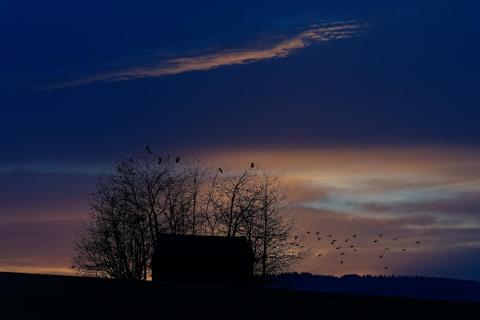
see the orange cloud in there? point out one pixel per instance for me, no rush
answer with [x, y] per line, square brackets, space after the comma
[209, 61]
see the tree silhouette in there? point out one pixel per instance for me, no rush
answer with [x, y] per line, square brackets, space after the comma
[155, 194]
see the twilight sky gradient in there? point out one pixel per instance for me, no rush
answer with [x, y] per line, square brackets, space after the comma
[368, 107]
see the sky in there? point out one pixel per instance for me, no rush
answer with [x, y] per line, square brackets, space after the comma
[369, 108]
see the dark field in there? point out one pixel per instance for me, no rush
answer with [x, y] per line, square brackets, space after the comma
[43, 297]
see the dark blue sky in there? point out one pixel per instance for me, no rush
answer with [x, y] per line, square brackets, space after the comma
[411, 77]
[78, 89]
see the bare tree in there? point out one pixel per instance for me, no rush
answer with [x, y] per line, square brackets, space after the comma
[253, 204]
[115, 244]
[155, 194]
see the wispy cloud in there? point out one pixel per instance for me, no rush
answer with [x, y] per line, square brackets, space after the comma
[265, 49]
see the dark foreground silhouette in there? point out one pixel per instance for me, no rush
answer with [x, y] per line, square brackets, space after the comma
[393, 286]
[203, 259]
[47, 297]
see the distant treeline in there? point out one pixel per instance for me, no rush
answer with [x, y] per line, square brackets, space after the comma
[395, 286]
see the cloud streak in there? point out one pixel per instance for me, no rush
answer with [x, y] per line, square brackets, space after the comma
[265, 49]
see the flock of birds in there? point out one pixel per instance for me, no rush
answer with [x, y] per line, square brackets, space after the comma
[348, 244]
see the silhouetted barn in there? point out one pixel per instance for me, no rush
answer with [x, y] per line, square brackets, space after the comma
[203, 259]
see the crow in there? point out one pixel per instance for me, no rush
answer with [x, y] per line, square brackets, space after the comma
[375, 241]
[333, 241]
[354, 236]
[252, 165]
[160, 160]
[220, 170]
[147, 148]
[177, 159]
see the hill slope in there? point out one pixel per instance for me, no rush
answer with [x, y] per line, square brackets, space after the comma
[36, 297]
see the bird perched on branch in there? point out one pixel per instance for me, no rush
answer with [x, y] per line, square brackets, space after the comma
[252, 165]
[177, 159]
[149, 151]
[220, 170]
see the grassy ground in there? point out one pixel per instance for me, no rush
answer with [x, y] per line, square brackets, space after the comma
[42, 297]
